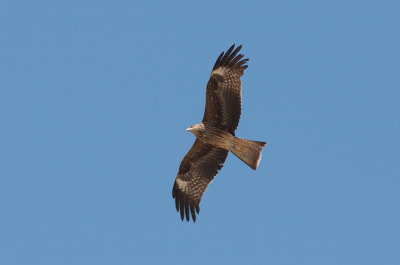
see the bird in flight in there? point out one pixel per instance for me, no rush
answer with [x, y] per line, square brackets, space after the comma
[215, 135]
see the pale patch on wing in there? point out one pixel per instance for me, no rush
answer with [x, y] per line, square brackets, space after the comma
[220, 71]
[182, 184]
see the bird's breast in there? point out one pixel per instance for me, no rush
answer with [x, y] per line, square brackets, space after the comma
[219, 138]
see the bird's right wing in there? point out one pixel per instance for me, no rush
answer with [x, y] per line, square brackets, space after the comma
[198, 168]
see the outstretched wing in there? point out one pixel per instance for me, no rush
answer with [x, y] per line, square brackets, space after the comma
[198, 168]
[224, 91]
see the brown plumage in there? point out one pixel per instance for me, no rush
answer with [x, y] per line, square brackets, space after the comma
[215, 135]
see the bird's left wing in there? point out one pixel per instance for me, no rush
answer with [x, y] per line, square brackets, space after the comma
[198, 168]
[224, 91]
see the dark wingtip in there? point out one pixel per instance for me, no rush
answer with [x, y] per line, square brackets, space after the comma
[174, 190]
[183, 206]
[182, 209]
[193, 213]
[218, 59]
[229, 59]
[187, 211]
[177, 205]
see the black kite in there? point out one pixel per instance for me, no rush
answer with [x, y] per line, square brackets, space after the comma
[215, 135]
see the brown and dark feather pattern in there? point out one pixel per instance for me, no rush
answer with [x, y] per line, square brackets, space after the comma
[223, 109]
[198, 168]
[223, 96]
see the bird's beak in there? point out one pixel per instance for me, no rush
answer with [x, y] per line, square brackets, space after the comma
[188, 129]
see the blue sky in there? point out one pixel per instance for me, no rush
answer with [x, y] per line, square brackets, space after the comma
[95, 97]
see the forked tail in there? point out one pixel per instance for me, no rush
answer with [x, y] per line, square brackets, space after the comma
[248, 151]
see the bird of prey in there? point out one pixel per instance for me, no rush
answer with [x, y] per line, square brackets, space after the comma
[215, 135]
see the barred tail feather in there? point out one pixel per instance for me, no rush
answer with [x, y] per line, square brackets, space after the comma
[248, 151]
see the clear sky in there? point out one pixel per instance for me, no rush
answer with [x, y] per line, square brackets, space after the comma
[95, 97]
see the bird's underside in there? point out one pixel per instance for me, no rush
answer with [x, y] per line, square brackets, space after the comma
[215, 135]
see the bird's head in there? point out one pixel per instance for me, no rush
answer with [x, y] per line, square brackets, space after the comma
[196, 129]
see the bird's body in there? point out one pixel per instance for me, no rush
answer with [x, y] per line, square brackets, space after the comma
[215, 135]
[211, 135]
[223, 139]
